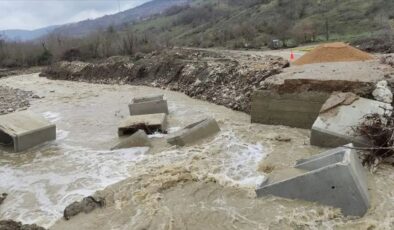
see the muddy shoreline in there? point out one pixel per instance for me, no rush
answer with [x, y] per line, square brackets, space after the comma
[218, 77]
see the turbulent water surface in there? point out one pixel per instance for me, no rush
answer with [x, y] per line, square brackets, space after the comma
[205, 186]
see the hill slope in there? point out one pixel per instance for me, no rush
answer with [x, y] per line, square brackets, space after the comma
[251, 23]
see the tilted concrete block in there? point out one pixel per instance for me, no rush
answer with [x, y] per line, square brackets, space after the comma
[291, 109]
[22, 130]
[138, 139]
[150, 123]
[194, 132]
[340, 115]
[335, 178]
[148, 105]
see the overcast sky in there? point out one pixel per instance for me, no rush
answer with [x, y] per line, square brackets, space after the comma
[33, 14]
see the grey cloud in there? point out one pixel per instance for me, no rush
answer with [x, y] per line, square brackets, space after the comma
[33, 14]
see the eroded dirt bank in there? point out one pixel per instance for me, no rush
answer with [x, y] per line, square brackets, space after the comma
[205, 186]
[223, 78]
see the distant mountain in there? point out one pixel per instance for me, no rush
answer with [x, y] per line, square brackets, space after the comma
[85, 27]
[26, 35]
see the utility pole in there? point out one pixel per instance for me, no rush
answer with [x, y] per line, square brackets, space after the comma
[118, 6]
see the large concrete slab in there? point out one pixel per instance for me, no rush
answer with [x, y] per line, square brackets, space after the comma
[291, 109]
[335, 178]
[150, 123]
[148, 105]
[340, 115]
[194, 132]
[22, 130]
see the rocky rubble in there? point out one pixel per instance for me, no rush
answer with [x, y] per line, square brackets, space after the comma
[388, 60]
[14, 225]
[12, 100]
[207, 75]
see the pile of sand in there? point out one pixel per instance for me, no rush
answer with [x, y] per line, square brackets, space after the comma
[333, 52]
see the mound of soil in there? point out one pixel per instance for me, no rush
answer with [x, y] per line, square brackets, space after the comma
[212, 76]
[333, 52]
[14, 225]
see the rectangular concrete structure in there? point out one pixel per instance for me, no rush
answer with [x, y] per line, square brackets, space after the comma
[335, 126]
[335, 178]
[150, 123]
[291, 109]
[194, 132]
[22, 130]
[148, 105]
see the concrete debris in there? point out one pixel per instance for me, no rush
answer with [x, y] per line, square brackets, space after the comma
[292, 109]
[335, 178]
[87, 205]
[138, 139]
[194, 132]
[22, 130]
[335, 125]
[148, 105]
[14, 225]
[150, 123]
[338, 99]
[383, 93]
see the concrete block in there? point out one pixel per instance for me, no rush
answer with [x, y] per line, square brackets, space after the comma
[150, 123]
[291, 109]
[148, 105]
[335, 178]
[339, 116]
[194, 132]
[138, 139]
[22, 130]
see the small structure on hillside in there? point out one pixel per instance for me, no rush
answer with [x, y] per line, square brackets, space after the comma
[334, 178]
[148, 105]
[333, 52]
[22, 130]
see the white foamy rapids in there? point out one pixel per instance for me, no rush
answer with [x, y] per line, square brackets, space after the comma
[40, 188]
[239, 165]
[52, 116]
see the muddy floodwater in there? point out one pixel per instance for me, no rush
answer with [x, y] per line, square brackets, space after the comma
[209, 185]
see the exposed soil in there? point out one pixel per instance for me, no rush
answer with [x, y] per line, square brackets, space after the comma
[223, 79]
[375, 45]
[333, 52]
[19, 71]
[12, 100]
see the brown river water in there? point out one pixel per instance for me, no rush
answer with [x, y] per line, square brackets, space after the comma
[209, 185]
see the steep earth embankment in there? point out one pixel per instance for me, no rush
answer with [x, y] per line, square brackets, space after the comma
[223, 79]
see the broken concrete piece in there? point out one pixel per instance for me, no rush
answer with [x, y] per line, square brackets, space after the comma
[291, 109]
[194, 132]
[87, 205]
[334, 178]
[148, 105]
[22, 130]
[150, 123]
[138, 139]
[335, 126]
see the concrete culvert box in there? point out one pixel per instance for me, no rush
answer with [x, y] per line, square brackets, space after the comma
[22, 130]
[340, 115]
[138, 139]
[148, 105]
[194, 132]
[335, 178]
[150, 123]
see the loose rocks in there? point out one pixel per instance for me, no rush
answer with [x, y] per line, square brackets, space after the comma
[12, 100]
[13, 225]
[87, 205]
